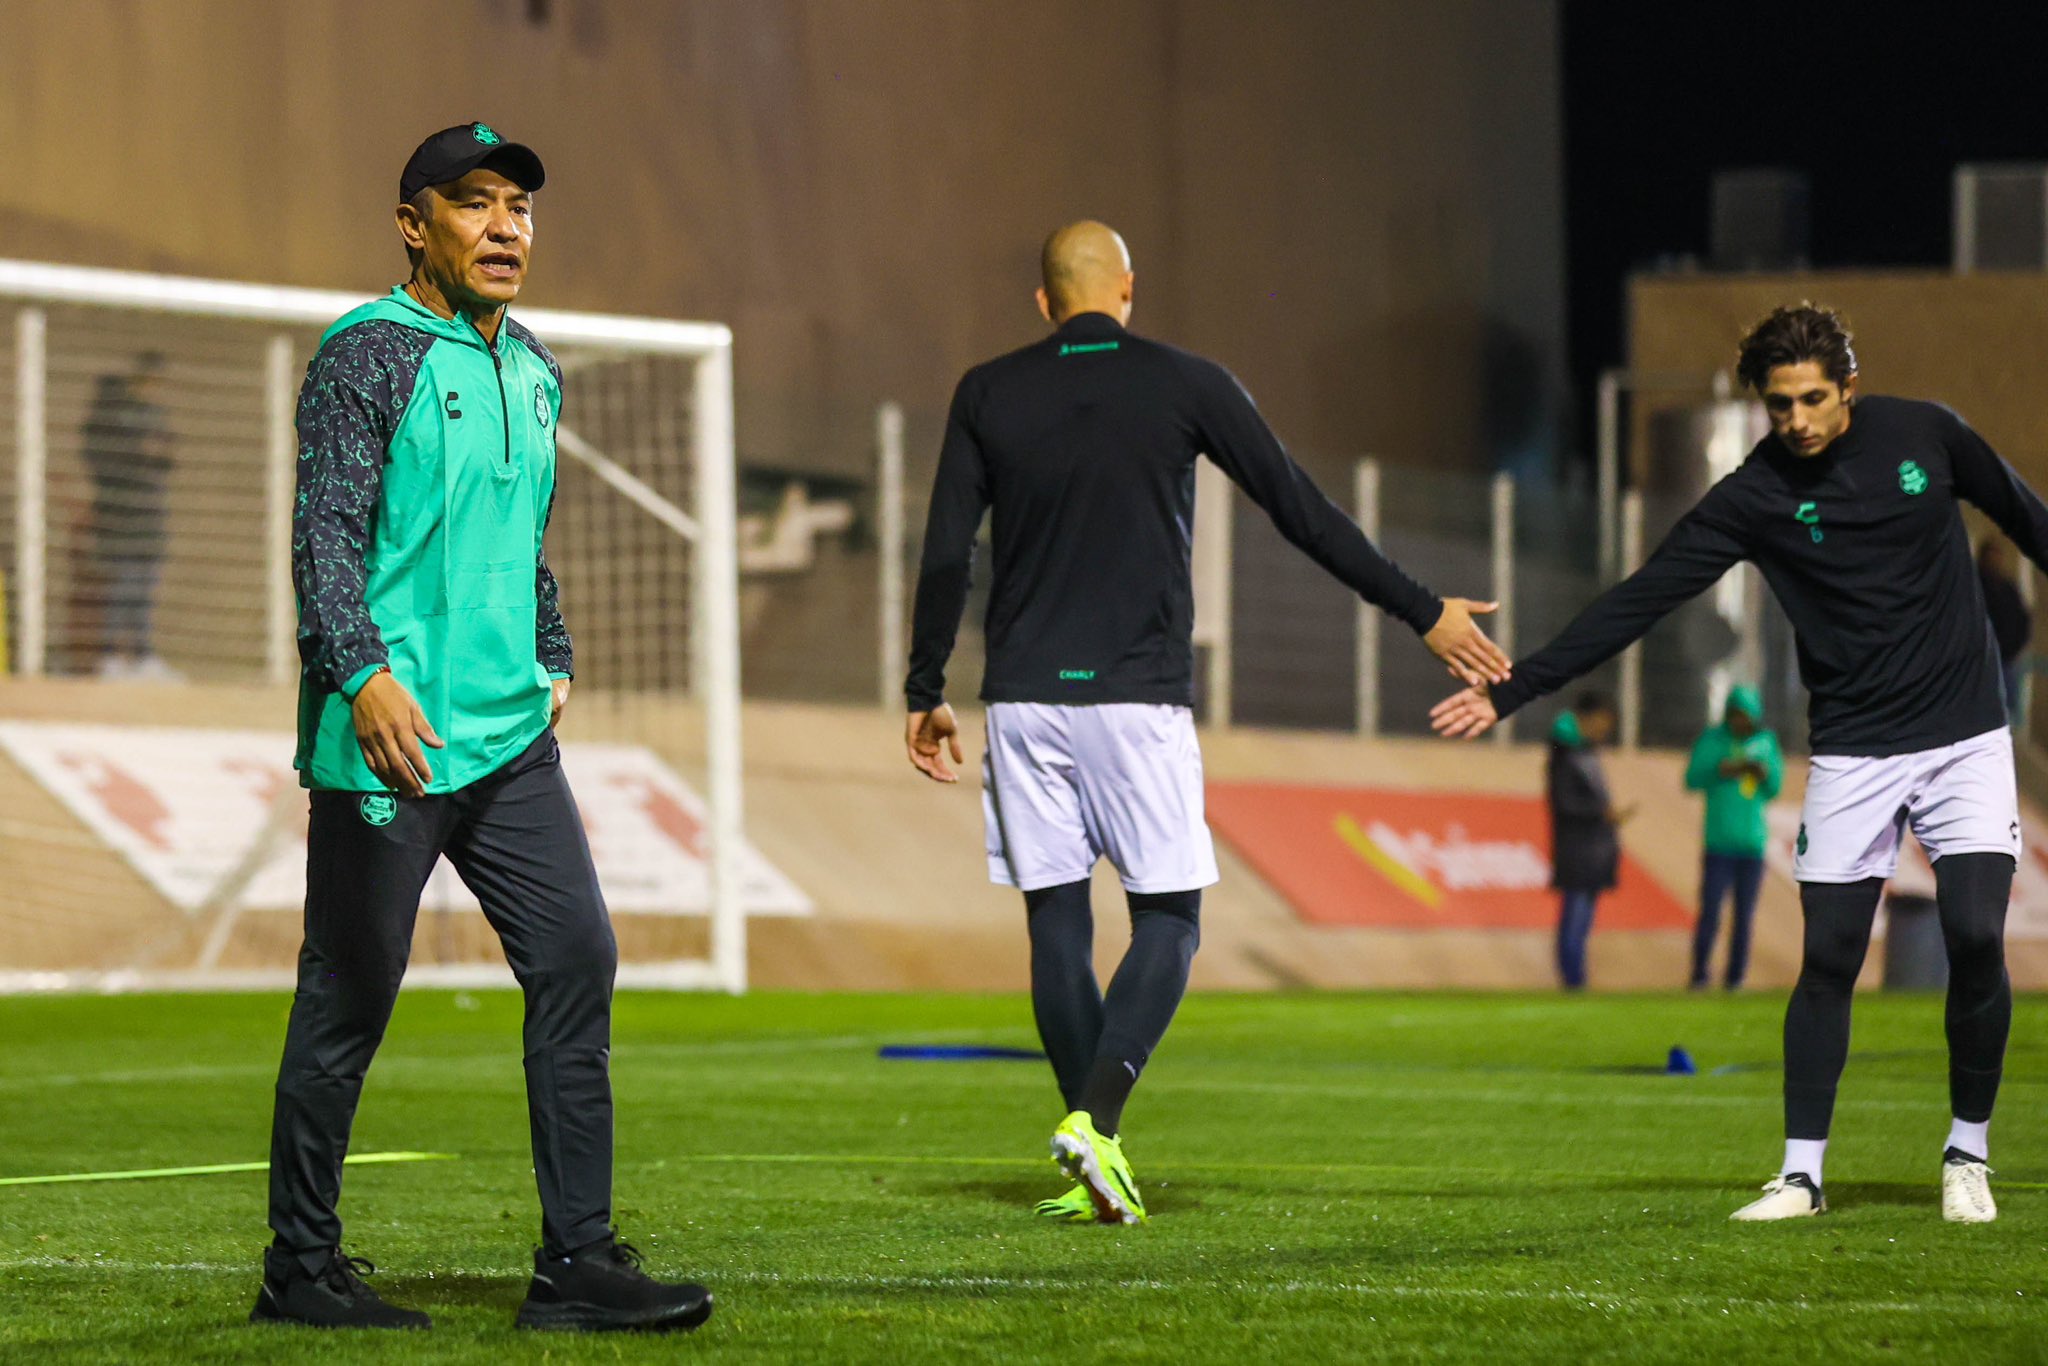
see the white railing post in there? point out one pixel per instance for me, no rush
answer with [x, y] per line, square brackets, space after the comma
[1365, 499]
[1503, 621]
[1608, 415]
[280, 477]
[717, 667]
[889, 532]
[31, 490]
[1632, 659]
[1213, 554]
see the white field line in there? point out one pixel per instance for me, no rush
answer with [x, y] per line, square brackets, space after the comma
[385, 1065]
[1598, 1298]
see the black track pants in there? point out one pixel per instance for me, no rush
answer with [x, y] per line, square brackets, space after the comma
[516, 839]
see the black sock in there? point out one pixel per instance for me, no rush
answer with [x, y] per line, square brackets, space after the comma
[1065, 998]
[1838, 920]
[1972, 891]
[1165, 930]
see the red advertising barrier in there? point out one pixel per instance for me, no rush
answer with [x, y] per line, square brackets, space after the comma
[1389, 859]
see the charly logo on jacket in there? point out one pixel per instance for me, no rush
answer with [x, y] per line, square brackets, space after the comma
[540, 405]
[1912, 478]
[378, 808]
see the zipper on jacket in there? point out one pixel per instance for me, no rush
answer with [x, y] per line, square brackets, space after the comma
[504, 408]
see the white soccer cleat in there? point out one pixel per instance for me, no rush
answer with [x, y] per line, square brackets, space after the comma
[1966, 1189]
[1791, 1196]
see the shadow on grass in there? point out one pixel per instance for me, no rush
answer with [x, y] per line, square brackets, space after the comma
[1024, 1193]
[1920, 1194]
[489, 1292]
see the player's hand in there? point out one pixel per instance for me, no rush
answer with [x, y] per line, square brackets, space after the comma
[391, 727]
[1465, 715]
[561, 701]
[929, 736]
[1457, 640]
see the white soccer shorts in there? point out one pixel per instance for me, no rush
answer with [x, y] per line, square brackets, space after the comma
[1959, 799]
[1064, 786]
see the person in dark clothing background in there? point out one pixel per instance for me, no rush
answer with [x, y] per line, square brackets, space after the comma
[1585, 828]
[125, 444]
[2012, 625]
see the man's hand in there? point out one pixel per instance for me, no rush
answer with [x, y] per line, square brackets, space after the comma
[1457, 640]
[1465, 715]
[928, 735]
[390, 727]
[561, 701]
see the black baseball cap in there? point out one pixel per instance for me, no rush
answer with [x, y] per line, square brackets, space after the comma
[454, 152]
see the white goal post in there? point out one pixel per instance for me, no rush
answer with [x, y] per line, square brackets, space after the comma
[239, 383]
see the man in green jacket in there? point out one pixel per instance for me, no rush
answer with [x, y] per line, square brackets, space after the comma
[428, 620]
[1739, 767]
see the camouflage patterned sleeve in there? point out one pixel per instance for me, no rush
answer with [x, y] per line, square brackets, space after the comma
[552, 646]
[550, 636]
[355, 391]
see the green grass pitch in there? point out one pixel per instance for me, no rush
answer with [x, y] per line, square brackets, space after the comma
[1332, 1177]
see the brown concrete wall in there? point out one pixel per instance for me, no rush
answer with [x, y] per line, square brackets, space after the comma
[1353, 202]
[895, 863]
[1978, 343]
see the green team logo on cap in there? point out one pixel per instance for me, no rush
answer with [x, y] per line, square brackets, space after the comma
[1912, 478]
[378, 808]
[487, 135]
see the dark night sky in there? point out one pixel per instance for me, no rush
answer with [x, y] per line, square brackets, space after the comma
[1877, 102]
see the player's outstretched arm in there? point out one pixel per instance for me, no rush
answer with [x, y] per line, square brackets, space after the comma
[1700, 549]
[1233, 434]
[929, 736]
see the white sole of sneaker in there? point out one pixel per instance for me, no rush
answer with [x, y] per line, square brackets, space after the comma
[1077, 1159]
[1786, 1209]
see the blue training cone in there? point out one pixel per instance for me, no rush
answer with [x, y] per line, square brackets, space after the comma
[1680, 1063]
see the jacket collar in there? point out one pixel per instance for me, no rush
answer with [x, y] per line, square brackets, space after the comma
[1089, 326]
[420, 318]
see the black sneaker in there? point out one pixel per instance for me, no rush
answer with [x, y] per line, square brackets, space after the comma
[602, 1289]
[332, 1297]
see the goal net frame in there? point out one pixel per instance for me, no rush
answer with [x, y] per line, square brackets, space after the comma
[31, 288]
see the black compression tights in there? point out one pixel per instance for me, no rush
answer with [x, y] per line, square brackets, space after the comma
[1972, 891]
[1098, 1045]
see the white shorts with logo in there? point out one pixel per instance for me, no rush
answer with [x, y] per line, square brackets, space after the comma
[1959, 799]
[1062, 787]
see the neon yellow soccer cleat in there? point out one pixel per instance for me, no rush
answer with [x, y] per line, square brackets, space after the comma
[1098, 1164]
[1077, 1206]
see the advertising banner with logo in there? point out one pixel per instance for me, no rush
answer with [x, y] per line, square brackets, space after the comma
[208, 814]
[1388, 859]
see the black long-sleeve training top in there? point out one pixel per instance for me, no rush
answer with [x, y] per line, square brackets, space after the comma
[1866, 550]
[1084, 444]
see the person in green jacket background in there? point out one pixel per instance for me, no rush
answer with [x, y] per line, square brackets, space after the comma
[1740, 768]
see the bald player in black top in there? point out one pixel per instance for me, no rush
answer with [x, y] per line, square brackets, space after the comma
[1084, 445]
